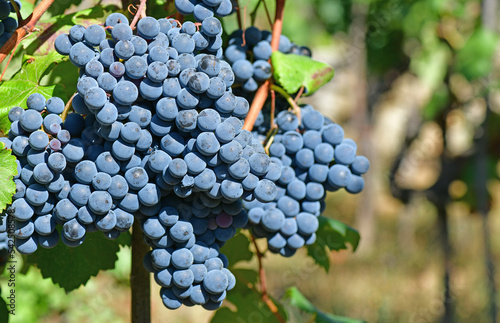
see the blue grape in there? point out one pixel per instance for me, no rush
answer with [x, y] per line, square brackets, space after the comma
[183, 43]
[107, 222]
[150, 90]
[339, 176]
[116, 18]
[356, 184]
[211, 26]
[140, 45]
[80, 54]
[63, 44]
[125, 93]
[94, 68]
[73, 230]
[121, 31]
[36, 102]
[55, 105]
[215, 281]
[148, 28]
[261, 70]
[360, 165]
[124, 49]
[207, 143]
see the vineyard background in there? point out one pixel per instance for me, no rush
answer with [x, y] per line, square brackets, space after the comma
[429, 70]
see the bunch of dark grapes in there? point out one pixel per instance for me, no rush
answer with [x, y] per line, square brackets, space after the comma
[157, 137]
[248, 53]
[314, 158]
[185, 238]
[7, 24]
[58, 181]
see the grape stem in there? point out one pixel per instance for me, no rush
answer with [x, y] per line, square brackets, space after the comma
[64, 114]
[289, 99]
[138, 13]
[270, 138]
[238, 15]
[267, 13]
[273, 109]
[257, 104]
[253, 14]
[8, 62]
[263, 285]
[263, 91]
[25, 27]
[139, 278]
[179, 18]
[299, 94]
[18, 12]
[278, 24]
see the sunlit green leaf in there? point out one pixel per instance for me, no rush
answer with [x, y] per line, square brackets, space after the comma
[8, 168]
[294, 71]
[296, 299]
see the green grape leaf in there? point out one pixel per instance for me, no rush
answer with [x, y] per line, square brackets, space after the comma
[248, 304]
[238, 250]
[317, 252]
[246, 276]
[4, 312]
[8, 169]
[475, 59]
[331, 235]
[297, 299]
[26, 82]
[294, 71]
[72, 267]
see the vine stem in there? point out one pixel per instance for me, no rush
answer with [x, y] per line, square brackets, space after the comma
[139, 279]
[25, 27]
[8, 62]
[278, 24]
[238, 15]
[263, 91]
[263, 284]
[273, 108]
[67, 107]
[257, 104]
[18, 12]
[289, 99]
[299, 94]
[138, 14]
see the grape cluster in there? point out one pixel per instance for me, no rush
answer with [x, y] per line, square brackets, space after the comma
[315, 158]
[203, 9]
[256, 44]
[7, 24]
[185, 238]
[161, 117]
[58, 182]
